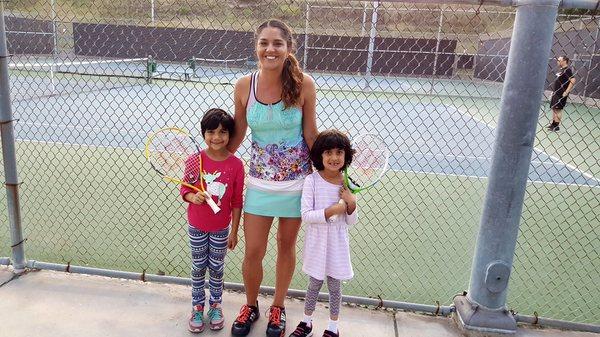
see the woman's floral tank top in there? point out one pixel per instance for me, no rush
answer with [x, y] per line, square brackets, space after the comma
[279, 152]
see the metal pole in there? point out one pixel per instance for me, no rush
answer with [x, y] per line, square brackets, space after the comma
[549, 322]
[437, 47]
[8, 153]
[54, 44]
[152, 10]
[484, 306]
[305, 59]
[594, 46]
[372, 37]
[363, 25]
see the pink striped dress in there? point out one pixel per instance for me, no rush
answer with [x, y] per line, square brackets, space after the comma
[326, 244]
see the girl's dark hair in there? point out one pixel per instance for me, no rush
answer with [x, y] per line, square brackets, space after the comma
[215, 117]
[292, 76]
[327, 140]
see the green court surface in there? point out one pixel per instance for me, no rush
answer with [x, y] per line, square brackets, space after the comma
[414, 241]
[576, 144]
[102, 206]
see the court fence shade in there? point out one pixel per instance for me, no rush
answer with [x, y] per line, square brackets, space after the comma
[428, 78]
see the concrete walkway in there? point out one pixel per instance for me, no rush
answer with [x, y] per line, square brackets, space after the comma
[54, 304]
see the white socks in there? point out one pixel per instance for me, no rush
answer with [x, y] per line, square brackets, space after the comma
[333, 325]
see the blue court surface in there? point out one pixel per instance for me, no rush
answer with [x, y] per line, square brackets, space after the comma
[121, 111]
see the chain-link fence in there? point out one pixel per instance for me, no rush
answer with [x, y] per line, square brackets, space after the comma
[89, 80]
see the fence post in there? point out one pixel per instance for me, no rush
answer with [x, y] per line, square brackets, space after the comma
[305, 58]
[8, 153]
[371, 49]
[363, 24]
[483, 309]
[595, 43]
[437, 48]
[54, 45]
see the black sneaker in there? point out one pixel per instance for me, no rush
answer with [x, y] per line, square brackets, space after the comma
[276, 326]
[302, 330]
[328, 333]
[556, 128]
[248, 315]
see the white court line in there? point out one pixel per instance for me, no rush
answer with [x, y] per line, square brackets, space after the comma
[85, 128]
[483, 178]
[465, 157]
[247, 158]
[76, 127]
[78, 144]
[572, 167]
[121, 131]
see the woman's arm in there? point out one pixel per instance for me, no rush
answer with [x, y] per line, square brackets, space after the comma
[240, 97]
[309, 111]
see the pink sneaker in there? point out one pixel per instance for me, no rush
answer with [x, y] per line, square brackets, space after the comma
[196, 323]
[215, 317]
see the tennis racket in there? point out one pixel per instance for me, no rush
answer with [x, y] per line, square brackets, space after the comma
[369, 164]
[175, 155]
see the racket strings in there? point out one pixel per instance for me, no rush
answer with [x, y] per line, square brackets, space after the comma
[191, 172]
[369, 162]
[175, 156]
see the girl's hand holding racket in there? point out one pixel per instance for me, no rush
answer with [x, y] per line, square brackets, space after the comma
[197, 198]
[334, 211]
[176, 156]
[348, 199]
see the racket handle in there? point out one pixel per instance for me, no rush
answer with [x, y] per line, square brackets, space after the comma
[211, 203]
[335, 216]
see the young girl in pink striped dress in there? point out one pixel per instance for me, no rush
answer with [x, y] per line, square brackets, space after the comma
[326, 254]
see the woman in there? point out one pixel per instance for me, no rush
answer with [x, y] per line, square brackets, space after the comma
[278, 103]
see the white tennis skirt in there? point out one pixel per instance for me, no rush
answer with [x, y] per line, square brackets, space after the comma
[273, 198]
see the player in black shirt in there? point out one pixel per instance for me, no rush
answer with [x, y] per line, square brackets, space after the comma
[563, 84]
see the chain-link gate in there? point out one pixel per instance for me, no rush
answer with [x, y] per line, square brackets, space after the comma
[90, 79]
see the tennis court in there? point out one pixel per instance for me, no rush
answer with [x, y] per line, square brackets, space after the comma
[90, 81]
[424, 137]
[428, 204]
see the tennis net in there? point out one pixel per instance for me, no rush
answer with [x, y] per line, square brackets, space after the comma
[131, 67]
[72, 77]
[200, 69]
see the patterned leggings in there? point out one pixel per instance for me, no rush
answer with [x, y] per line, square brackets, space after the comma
[208, 251]
[335, 295]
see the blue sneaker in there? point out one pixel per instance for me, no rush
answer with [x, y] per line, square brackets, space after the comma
[196, 323]
[215, 317]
